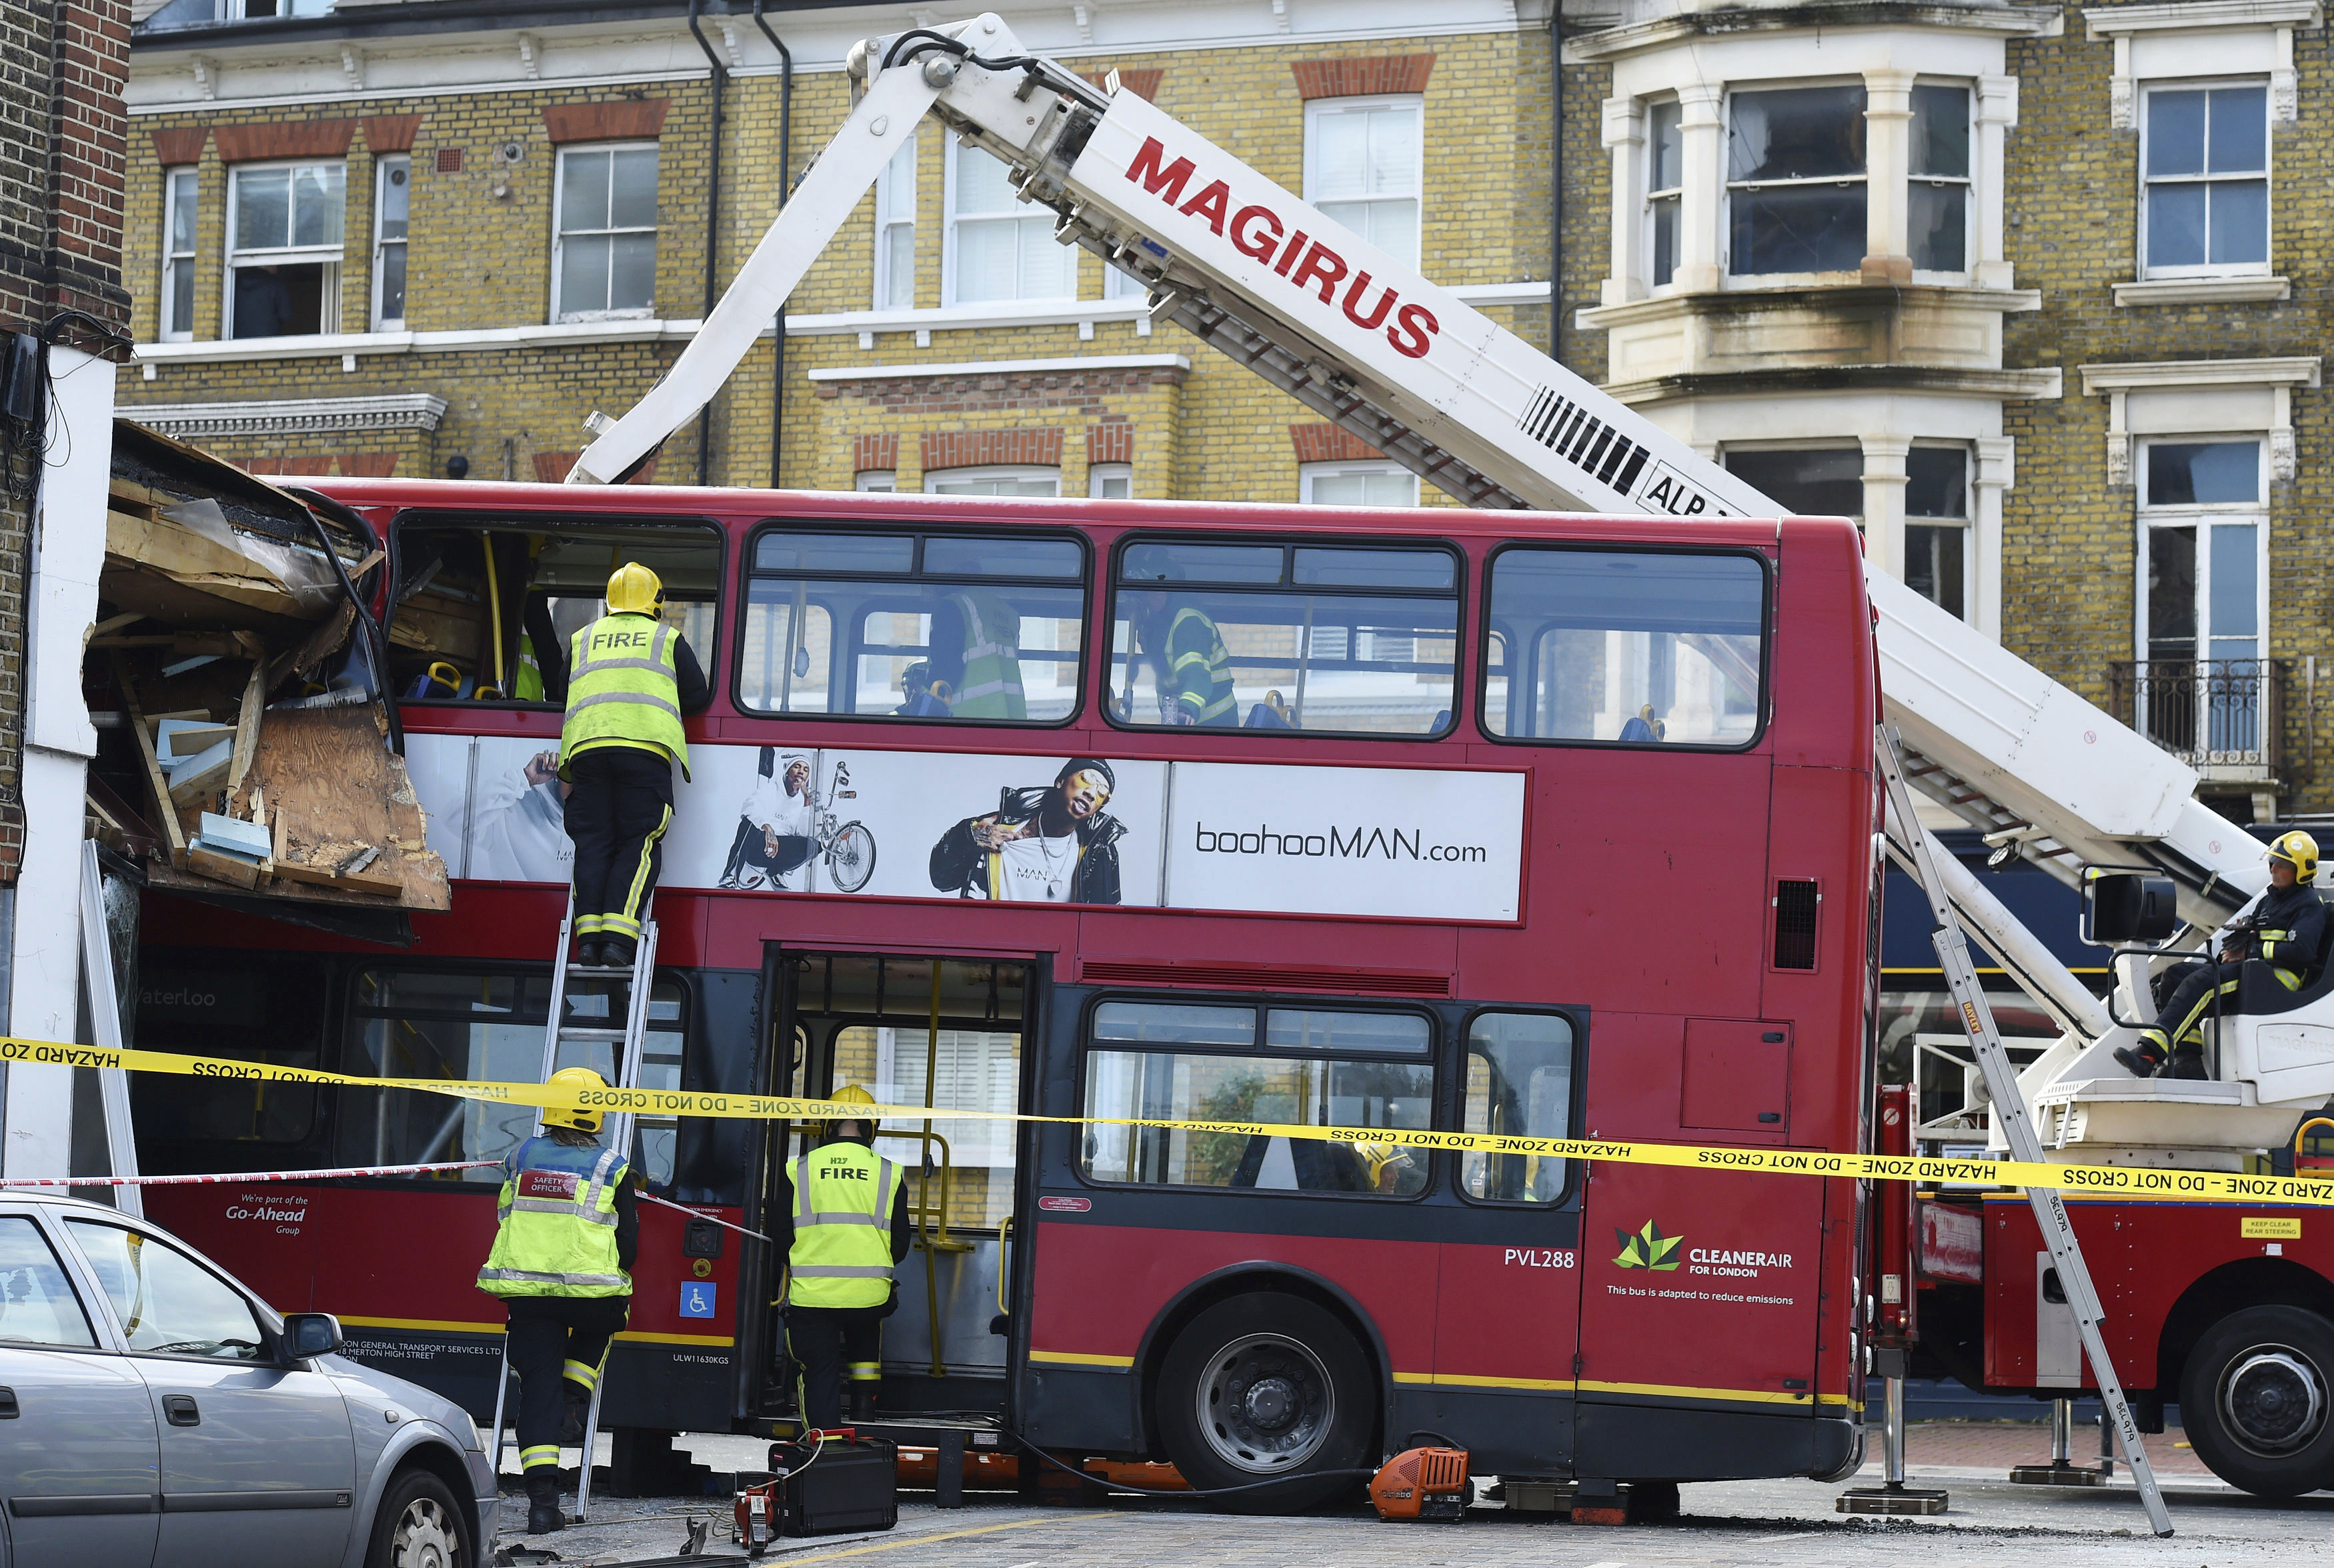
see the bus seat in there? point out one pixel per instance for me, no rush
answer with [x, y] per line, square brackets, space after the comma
[1260, 716]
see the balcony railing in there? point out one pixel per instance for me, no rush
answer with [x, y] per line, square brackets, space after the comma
[2211, 713]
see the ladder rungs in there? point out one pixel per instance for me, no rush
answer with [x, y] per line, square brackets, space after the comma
[575, 1034]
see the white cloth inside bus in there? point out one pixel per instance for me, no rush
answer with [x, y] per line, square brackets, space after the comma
[1278, 1170]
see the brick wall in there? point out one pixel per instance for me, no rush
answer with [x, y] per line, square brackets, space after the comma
[62, 177]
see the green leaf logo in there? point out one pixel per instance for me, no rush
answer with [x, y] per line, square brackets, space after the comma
[1649, 1248]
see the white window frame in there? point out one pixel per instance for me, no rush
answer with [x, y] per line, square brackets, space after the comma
[1100, 475]
[169, 329]
[333, 258]
[1968, 183]
[887, 193]
[1966, 524]
[2148, 270]
[1674, 195]
[1308, 474]
[558, 199]
[949, 222]
[382, 167]
[2201, 516]
[1728, 184]
[875, 481]
[935, 478]
[1317, 108]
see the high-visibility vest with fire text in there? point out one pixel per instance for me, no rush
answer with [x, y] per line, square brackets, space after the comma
[622, 689]
[841, 1254]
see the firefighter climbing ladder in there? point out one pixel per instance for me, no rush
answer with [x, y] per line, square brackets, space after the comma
[626, 1043]
[2008, 1105]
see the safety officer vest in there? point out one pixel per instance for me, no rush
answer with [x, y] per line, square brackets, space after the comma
[527, 681]
[991, 687]
[558, 1222]
[622, 691]
[842, 1254]
[1201, 675]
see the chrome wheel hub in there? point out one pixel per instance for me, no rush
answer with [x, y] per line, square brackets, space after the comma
[1266, 1404]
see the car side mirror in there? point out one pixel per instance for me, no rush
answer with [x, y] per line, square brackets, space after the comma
[2127, 907]
[308, 1334]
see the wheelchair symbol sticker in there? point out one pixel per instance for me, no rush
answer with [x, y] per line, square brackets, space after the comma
[697, 1300]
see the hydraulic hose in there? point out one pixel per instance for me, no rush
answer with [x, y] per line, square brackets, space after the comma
[1110, 1486]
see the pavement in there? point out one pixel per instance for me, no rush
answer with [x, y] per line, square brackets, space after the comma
[1989, 1524]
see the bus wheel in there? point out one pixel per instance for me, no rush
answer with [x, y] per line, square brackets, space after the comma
[1263, 1386]
[2255, 1400]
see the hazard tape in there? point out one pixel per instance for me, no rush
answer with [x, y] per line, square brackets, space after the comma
[244, 1176]
[2118, 1181]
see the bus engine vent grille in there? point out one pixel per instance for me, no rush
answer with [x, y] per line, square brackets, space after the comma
[1264, 978]
[1795, 923]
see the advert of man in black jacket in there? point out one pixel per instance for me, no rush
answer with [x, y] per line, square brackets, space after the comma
[2285, 928]
[1054, 844]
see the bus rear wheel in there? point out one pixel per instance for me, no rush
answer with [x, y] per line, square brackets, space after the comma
[1264, 1386]
[2257, 1399]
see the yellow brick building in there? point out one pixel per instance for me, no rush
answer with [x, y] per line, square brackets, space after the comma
[363, 243]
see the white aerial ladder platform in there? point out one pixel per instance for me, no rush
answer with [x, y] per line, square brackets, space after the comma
[1402, 363]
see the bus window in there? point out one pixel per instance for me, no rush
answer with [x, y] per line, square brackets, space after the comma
[1200, 1064]
[1282, 636]
[1519, 1084]
[244, 1007]
[902, 626]
[1625, 646]
[486, 612]
[483, 1026]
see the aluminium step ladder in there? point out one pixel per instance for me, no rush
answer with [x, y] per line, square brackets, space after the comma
[2008, 1105]
[626, 1045]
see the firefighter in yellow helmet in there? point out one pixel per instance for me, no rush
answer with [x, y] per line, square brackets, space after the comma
[2285, 927]
[630, 681]
[568, 1233]
[843, 1217]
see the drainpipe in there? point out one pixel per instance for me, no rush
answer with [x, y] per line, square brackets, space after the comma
[712, 232]
[1555, 181]
[785, 193]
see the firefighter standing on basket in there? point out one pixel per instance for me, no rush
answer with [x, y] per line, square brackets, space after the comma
[845, 1211]
[569, 1233]
[631, 679]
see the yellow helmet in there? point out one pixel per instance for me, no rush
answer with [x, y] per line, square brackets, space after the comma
[850, 1094]
[579, 1078]
[634, 590]
[2299, 851]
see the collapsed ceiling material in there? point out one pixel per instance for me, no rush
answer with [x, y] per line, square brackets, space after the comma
[248, 746]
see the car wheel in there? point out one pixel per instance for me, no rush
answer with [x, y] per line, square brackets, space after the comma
[2257, 1399]
[1264, 1386]
[420, 1525]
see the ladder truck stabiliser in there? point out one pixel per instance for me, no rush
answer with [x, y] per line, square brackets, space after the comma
[1407, 365]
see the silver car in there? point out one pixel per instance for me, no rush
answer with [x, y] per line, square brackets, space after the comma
[156, 1414]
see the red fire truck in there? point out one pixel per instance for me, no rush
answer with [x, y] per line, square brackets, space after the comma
[1422, 871]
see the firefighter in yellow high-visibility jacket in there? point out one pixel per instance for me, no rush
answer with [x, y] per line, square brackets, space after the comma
[846, 1228]
[630, 681]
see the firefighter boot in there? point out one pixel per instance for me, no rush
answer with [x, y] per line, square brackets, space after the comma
[2184, 1065]
[863, 1401]
[576, 1408]
[543, 1515]
[2142, 1062]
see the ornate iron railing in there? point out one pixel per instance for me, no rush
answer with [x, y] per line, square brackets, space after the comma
[2207, 712]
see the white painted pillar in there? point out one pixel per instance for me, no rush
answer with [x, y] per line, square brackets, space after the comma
[1625, 139]
[1884, 502]
[1996, 472]
[1997, 111]
[1887, 158]
[1702, 128]
[68, 548]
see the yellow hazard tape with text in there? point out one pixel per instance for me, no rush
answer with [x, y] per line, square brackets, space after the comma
[2077, 1180]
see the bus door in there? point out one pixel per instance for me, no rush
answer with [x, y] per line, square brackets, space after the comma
[944, 1033]
[1508, 1295]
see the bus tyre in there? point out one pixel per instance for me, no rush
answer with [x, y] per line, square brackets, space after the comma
[1262, 1386]
[2254, 1400]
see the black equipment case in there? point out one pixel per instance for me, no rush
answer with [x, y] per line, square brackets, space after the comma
[846, 1484]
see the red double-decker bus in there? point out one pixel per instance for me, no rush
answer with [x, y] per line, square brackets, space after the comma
[1503, 822]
